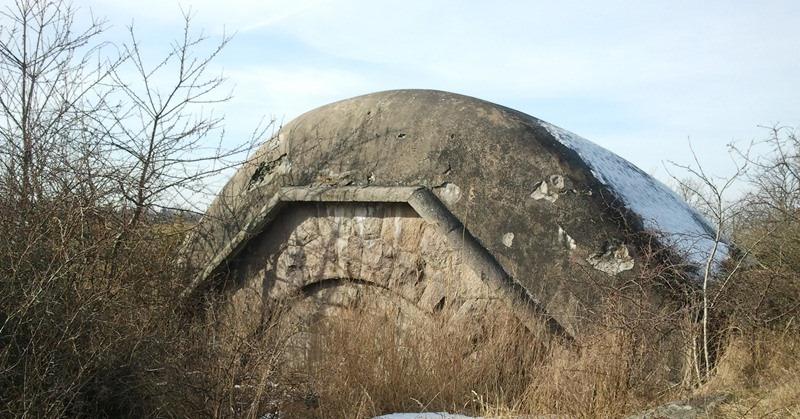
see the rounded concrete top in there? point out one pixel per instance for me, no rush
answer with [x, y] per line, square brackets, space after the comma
[547, 204]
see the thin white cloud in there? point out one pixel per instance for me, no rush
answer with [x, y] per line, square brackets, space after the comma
[214, 15]
[709, 70]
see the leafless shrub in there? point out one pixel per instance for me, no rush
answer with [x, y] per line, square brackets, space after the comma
[87, 303]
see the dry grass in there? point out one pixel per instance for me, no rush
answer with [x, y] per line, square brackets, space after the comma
[118, 347]
[762, 372]
[363, 366]
[100, 345]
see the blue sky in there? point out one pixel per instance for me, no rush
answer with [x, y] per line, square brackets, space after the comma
[639, 78]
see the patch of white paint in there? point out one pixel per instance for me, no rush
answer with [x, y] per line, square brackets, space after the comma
[450, 193]
[549, 189]
[612, 260]
[565, 239]
[398, 228]
[508, 239]
[359, 218]
[542, 192]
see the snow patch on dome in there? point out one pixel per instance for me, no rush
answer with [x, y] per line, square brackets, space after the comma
[662, 211]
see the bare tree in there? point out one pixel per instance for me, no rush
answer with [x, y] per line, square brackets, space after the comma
[710, 195]
[161, 132]
[86, 150]
[773, 203]
[51, 77]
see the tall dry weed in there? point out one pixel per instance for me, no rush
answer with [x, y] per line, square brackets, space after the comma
[366, 366]
[761, 370]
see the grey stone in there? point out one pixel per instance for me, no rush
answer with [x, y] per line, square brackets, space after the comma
[694, 408]
[612, 259]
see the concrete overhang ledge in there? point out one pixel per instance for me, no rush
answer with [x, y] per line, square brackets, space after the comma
[426, 204]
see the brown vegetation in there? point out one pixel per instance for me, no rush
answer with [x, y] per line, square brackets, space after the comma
[374, 369]
[90, 324]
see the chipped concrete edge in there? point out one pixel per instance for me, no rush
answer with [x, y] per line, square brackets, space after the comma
[423, 202]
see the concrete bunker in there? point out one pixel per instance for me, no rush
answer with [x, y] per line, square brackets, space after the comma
[430, 200]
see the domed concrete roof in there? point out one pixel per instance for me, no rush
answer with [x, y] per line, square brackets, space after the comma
[543, 211]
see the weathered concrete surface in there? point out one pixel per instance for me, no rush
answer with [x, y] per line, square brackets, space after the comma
[533, 219]
[325, 257]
